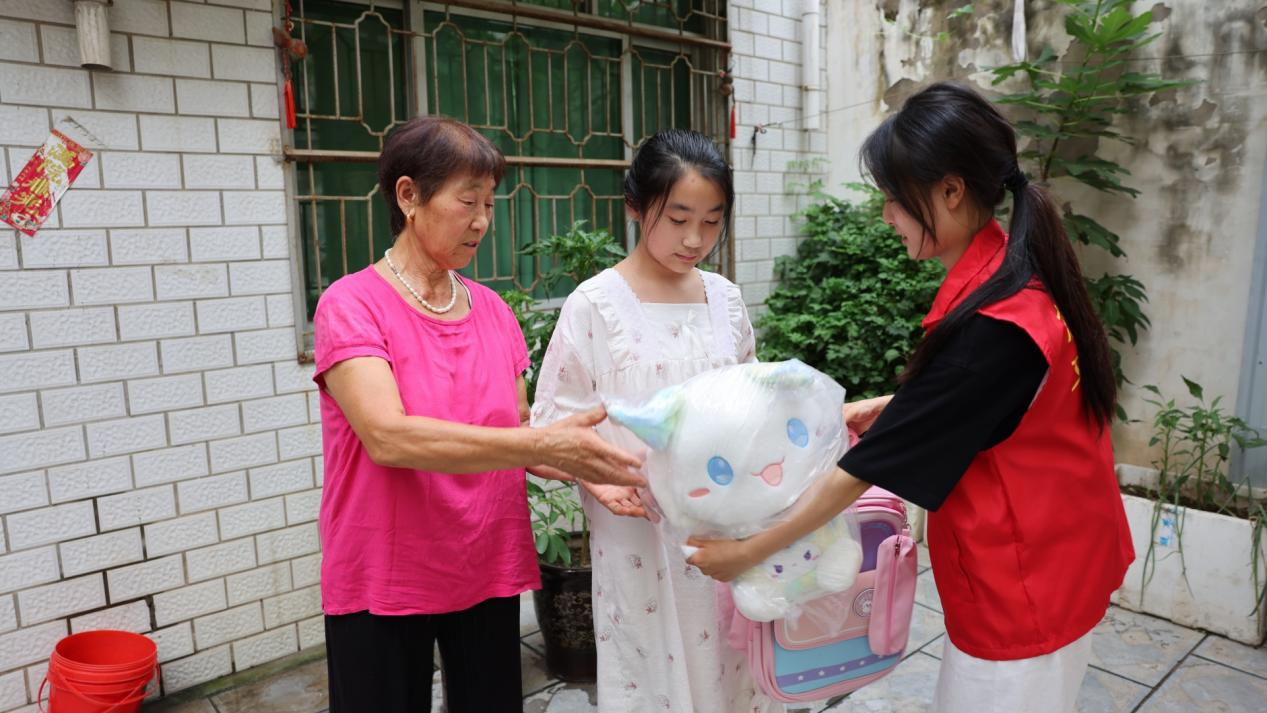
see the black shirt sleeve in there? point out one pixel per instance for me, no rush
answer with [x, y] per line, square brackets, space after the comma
[970, 397]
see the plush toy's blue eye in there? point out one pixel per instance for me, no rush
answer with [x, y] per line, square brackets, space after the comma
[797, 433]
[720, 471]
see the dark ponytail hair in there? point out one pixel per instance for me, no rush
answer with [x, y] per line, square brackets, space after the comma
[662, 159]
[948, 129]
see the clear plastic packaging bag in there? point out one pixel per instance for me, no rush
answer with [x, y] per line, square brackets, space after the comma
[731, 451]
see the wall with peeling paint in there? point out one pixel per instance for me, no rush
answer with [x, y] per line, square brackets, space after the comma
[1199, 160]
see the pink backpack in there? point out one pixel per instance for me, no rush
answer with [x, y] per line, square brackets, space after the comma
[846, 640]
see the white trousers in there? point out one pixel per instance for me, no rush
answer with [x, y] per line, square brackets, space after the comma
[1043, 684]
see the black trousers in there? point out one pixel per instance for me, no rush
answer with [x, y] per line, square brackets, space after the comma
[383, 664]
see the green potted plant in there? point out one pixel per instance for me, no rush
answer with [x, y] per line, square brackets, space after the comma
[563, 605]
[1189, 504]
[560, 530]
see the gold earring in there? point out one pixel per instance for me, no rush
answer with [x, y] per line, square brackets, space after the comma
[410, 216]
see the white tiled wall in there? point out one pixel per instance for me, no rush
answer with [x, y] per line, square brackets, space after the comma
[157, 443]
[159, 454]
[771, 182]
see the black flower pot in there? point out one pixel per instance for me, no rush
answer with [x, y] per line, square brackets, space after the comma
[565, 613]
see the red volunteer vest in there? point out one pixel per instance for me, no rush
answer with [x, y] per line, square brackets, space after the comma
[1033, 539]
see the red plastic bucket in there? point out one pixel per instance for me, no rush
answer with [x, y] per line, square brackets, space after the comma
[100, 672]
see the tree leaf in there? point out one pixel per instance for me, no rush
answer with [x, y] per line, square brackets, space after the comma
[1193, 388]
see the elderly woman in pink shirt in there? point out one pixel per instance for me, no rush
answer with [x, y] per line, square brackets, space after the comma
[424, 518]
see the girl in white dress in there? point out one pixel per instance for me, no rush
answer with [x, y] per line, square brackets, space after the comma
[653, 321]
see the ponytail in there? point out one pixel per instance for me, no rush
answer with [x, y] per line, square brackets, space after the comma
[957, 132]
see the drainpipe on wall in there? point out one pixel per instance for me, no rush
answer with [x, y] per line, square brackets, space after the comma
[1018, 31]
[93, 26]
[812, 104]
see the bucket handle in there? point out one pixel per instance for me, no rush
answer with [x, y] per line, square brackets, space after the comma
[39, 698]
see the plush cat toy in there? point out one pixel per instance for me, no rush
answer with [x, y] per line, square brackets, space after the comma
[732, 449]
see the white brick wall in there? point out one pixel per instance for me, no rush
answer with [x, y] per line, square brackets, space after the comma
[258, 583]
[34, 289]
[177, 133]
[288, 543]
[288, 477]
[180, 534]
[189, 602]
[766, 39]
[38, 449]
[199, 96]
[243, 452]
[204, 423]
[83, 403]
[159, 319]
[174, 641]
[216, 171]
[18, 412]
[125, 361]
[291, 607]
[64, 248]
[176, 57]
[13, 332]
[228, 625]
[26, 569]
[252, 518]
[136, 247]
[68, 327]
[138, 580]
[196, 353]
[211, 493]
[136, 507]
[232, 314]
[134, 617]
[112, 285]
[101, 552]
[170, 464]
[23, 491]
[31, 644]
[219, 560]
[190, 281]
[306, 570]
[265, 647]
[278, 412]
[152, 405]
[69, 596]
[140, 170]
[126, 435]
[199, 668]
[312, 632]
[91, 478]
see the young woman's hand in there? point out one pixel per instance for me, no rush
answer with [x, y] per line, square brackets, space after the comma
[859, 415]
[619, 499]
[723, 560]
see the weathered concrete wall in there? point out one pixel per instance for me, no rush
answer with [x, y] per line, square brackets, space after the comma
[1198, 160]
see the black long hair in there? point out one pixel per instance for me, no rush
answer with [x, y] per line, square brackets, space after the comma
[662, 159]
[948, 129]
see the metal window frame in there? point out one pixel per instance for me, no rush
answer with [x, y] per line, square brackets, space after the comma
[629, 33]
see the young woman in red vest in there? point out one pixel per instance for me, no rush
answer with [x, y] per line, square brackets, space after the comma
[1001, 425]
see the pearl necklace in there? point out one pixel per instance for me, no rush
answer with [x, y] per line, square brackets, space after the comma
[453, 285]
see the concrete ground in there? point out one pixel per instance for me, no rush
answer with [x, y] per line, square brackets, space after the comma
[1140, 664]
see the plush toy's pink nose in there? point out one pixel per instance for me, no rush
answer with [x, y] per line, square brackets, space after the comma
[772, 474]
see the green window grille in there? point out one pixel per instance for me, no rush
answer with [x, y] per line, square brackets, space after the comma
[566, 90]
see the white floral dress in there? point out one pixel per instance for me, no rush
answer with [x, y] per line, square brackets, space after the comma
[655, 616]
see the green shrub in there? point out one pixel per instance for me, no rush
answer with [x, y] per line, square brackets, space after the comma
[850, 302]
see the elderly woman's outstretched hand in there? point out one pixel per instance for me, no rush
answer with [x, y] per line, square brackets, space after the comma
[571, 448]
